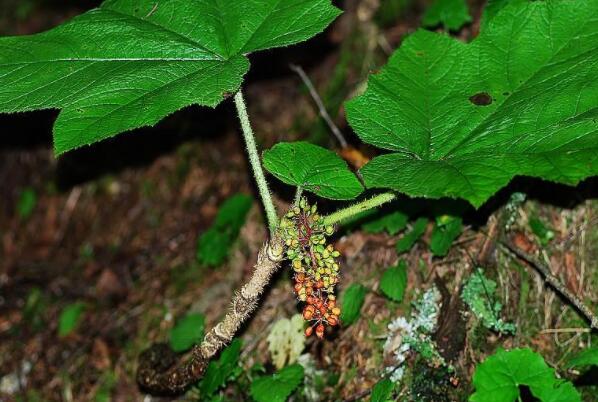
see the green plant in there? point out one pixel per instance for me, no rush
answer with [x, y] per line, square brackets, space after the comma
[394, 281]
[277, 387]
[26, 203]
[454, 128]
[187, 332]
[479, 294]
[213, 245]
[453, 14]
[69, 318]
[499, 377]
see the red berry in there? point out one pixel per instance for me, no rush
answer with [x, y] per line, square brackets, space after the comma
[309, 331]
[308, 312]
[320, 331]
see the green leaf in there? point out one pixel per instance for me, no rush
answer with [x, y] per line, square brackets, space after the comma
[214, 244]
[394, 281]
[314, 168]
[453, 14]
[382, 391]
[26, 203]
[406, 242]
[130, 63]
[498, 378]
[462, 119]
[277, 387]
[445, 232]
[587, 357]
[392, 223]
[492, 8]
[187, 332]
[219, 371]
[352, 301]
[69, 318]
[541, 231]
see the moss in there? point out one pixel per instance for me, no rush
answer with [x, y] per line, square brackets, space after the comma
[430, 384]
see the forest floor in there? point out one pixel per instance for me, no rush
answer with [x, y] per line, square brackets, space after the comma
[116, 226]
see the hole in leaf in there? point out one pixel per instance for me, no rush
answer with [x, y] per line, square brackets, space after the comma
[526, 394]
[481, 99]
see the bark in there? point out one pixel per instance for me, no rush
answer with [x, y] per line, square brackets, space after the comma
[161, 372]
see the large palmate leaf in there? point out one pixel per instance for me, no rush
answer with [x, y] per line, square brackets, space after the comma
[463, 119]
[129, 63]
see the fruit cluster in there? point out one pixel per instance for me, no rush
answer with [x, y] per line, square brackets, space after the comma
[314, 264]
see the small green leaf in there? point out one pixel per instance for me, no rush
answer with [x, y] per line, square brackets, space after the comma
[128, 64]
[352, 301]
[587, 357]
[406, 242]
[453, 14]
[313, 168]
[214, 244]
[445, 232]
[394, 281]
[69, 318]
[541, 231]
[392, 223]
[219, 371]
[498, 378]
[26, 203]
[277, 387]
[382, 391]
[187, 332]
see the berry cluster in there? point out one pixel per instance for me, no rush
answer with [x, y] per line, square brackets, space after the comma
[315, 265]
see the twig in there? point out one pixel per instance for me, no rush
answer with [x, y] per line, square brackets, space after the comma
[161, 372]
[565, 330]
[359, 396]
[555, 283]
[322, 109]
[65, 216]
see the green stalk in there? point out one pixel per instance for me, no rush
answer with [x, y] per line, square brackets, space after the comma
[355, 209]
[256, 165]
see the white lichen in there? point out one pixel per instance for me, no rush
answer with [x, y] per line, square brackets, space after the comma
[414, 335]
[312, 377]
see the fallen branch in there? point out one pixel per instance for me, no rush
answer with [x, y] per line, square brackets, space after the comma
[555, 283]
[161, 372]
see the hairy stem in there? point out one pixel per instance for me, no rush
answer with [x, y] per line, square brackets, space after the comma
[355, 209]
[161, 372]
[298, 195]
[256, 165]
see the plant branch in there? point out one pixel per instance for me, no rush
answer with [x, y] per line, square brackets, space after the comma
[322, 109]
[555, 283]
[161, 372]
[256, 165]
[355, 209]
